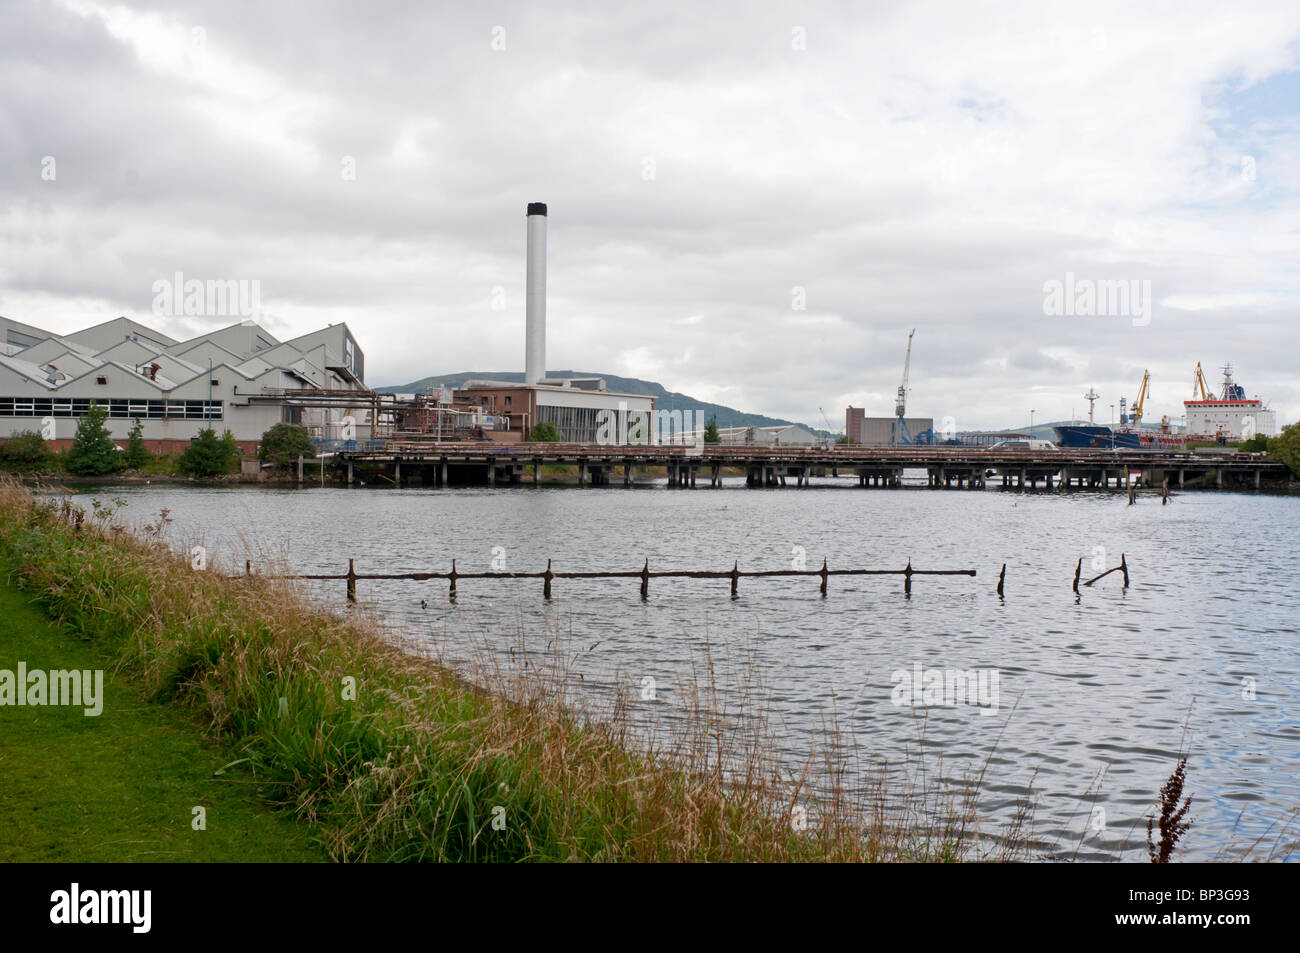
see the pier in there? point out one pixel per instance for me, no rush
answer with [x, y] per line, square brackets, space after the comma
[501, 464]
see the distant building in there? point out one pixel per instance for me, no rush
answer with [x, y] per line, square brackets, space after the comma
[581, 409]
[786, 435]
[867, 431]
[240, 378]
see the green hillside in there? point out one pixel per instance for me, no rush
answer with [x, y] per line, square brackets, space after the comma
[665, 399]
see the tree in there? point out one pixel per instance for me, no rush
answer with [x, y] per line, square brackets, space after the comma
[93, 452]
[25, 452]
[544, 433]
[137, 454]
[283, 444]
[845, 441]
[1286, 447]
[1256, 444]
[711, 434]
[209, 455]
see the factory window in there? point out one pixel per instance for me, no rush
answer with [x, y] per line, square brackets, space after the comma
[19, 339]
[118, 408]
[507, 400]
[101, 380]
[214, 382]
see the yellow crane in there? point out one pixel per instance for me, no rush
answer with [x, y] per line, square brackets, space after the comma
[1135, 413]
[1198, 384]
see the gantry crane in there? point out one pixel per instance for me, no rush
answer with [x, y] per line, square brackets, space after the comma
[900, 431]
[1198, 384]
[1135, 413]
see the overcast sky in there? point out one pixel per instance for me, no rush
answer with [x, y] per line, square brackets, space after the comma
[752, 204]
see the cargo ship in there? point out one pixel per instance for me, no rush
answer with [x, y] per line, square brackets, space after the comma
[1102, 437]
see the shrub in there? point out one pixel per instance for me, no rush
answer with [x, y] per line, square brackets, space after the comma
[137, 454]
[1286, 447]
[283, 444]
[544, 433]
[209, 455]
[25, 452]
[93, 452]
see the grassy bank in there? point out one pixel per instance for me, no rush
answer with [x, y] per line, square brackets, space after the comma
[387, 757]
[122, 785]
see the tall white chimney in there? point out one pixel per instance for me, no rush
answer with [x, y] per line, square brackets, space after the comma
[535, 302]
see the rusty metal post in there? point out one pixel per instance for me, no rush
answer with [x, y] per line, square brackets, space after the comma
[735, 580]
[907, 579]
[451, 593]
[352, 583]
[645, 581]
[824, 575]
[546, 580]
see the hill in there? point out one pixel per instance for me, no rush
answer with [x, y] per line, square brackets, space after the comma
[664, 398]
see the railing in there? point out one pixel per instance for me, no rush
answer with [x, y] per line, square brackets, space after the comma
[735, 574]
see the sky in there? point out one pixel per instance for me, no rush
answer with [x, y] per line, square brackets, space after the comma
[750, 203]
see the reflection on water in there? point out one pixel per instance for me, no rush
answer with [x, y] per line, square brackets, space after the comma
[1102, 683]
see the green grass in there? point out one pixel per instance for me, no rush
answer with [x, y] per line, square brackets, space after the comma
[120, 786]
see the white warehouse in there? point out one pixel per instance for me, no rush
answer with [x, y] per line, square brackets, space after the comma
[239, 378]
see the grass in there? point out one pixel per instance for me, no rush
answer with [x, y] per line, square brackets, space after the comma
[121, 785]
[385, 756]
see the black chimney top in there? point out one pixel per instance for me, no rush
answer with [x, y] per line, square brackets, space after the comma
[536, 208]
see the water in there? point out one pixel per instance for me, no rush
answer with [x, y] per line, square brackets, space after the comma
[1112, 681]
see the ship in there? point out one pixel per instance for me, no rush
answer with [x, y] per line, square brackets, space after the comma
[1230, 416]
[1102, 437]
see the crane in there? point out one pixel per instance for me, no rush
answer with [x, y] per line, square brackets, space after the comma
[1198, 384]
[824, 444]
[1135, 413]
[900, 432]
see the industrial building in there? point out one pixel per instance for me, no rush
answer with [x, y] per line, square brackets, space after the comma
[239, 378]
[867, 431]
[785, 435]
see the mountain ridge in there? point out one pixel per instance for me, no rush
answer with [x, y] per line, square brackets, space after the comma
[664, 398]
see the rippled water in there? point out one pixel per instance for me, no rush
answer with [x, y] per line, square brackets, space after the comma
[1102, 683]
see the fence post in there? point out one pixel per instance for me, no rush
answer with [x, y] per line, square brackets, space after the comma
[1123, 565]
[824, 575]
[645, 580]
[352, 583]
[1002, 575]
[1078, 568]
[451, 593]
[546, 580]
[735, 579]
[907, 579]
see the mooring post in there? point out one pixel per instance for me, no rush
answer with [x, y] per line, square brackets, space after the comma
[1123, 566]
[735, 580]
[352, 583]
[824, 575]
[1001, 576]
[645, 581]
[1077, 570]
[300, 468]
[1164, 492]
[907, 579]
[451, 593]
[546, 580]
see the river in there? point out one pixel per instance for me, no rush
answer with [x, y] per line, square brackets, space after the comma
[1200, 652]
